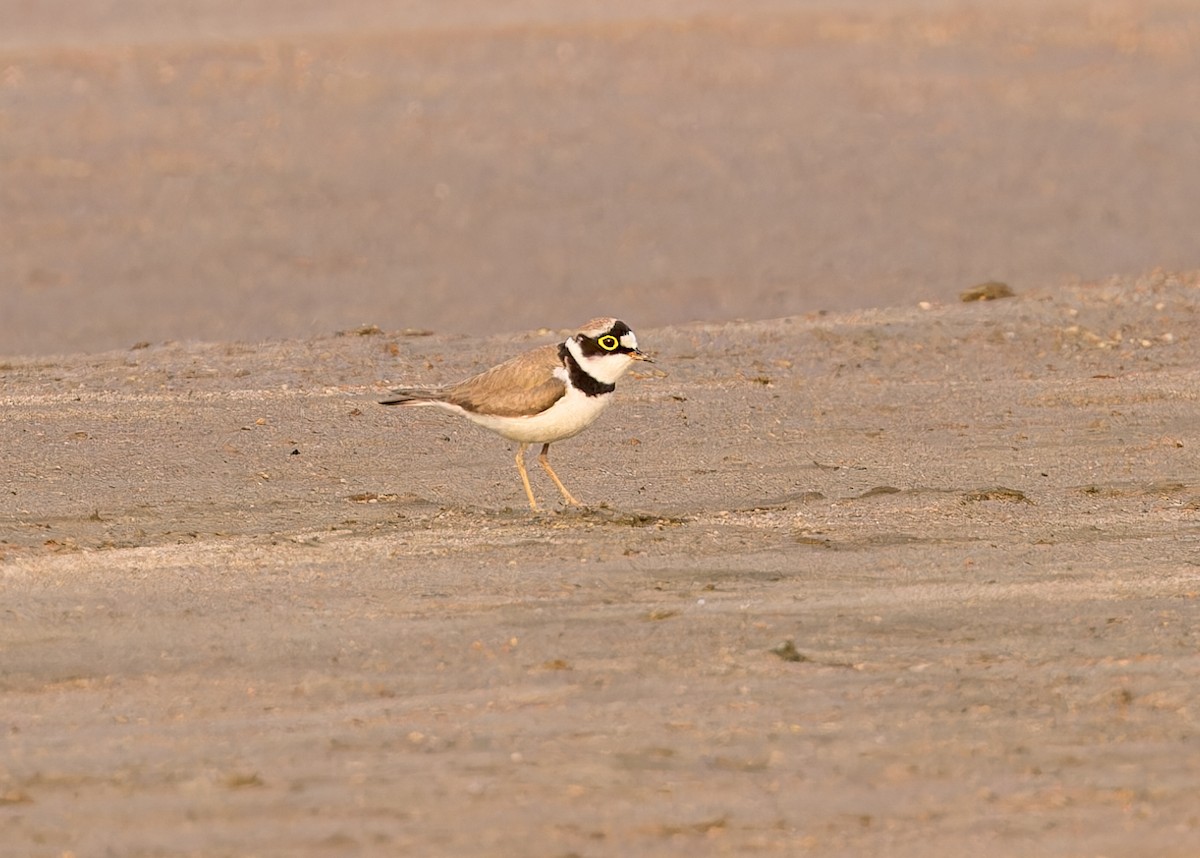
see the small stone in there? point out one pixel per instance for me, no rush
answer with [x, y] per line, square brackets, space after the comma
[788, 652]
[989, 291]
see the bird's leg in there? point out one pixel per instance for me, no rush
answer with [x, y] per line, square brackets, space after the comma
[525, 477]
[544, 458]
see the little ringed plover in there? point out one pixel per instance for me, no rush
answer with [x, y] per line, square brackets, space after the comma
[549, 394]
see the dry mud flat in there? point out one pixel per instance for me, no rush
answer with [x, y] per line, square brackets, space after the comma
[902, 582]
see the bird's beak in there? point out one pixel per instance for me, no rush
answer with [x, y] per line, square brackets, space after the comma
[637, 354]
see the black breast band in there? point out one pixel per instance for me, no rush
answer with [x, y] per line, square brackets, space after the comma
[579, 376]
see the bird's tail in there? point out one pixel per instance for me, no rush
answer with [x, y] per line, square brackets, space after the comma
[412, 396]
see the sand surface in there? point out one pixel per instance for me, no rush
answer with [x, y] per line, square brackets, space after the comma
[246, 611]
[918, 581]
[222, 170]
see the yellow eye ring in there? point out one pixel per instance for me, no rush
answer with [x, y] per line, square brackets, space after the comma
[609, 343]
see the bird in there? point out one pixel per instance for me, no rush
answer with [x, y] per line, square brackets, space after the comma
[548, 394]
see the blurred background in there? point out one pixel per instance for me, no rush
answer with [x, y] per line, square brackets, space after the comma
[221, 170]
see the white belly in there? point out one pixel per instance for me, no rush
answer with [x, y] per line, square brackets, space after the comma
[564, 419]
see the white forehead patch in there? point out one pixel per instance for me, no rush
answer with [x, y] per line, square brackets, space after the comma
[629, 341]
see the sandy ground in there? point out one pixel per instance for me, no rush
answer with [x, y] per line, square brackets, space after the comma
[867, 582]
[246, 611]
[223, 171]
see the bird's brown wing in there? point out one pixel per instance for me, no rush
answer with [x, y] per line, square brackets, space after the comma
[525, 384]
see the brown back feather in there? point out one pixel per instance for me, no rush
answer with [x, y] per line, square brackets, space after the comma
[521, 385]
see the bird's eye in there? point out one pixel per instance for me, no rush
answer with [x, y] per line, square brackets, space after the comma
[609, 343]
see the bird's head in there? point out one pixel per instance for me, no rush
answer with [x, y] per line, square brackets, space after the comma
[605, 348]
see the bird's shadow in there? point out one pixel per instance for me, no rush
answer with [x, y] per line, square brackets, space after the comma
[418, 507]
[605, 515]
